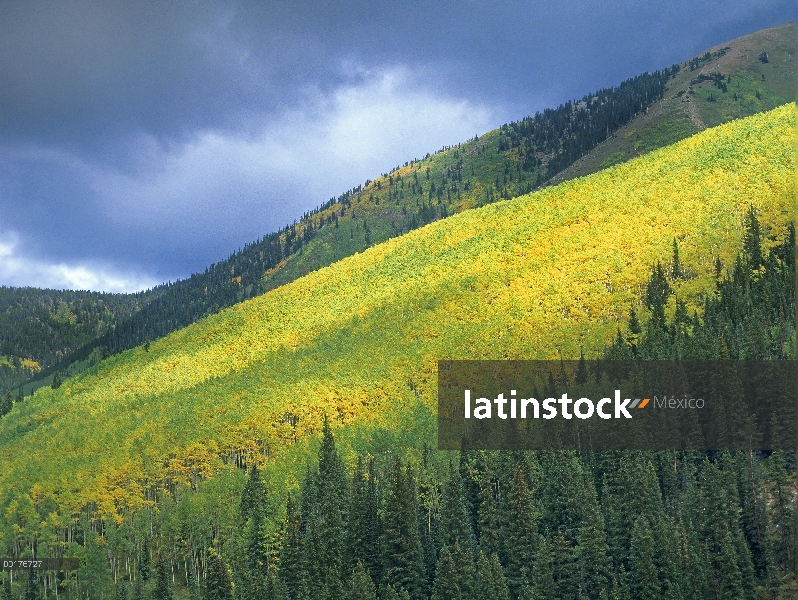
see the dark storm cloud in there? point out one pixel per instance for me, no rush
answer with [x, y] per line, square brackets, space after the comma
[141, 141]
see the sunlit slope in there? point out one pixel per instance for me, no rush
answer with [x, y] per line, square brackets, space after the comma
[359, 340]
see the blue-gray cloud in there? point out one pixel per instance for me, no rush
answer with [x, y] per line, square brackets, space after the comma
[141, 141]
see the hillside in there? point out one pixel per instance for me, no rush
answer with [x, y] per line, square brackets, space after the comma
[747, 75]
[639, 115]
[534, 277]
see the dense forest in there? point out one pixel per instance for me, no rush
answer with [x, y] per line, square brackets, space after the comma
[509, 162]
[419, 523]
[40, 328]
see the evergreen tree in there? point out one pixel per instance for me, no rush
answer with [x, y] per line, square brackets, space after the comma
[361, 586]
[752, 249]
[121, 591]
[363, 527]
[592, 551]
[32, 591]
[163, 582]
[6, 403]
[519, 529]
[291, 557]
[491, 584]
[5, 590]
[454, 513]
[677, 271]
[447, 579]
[217, 580]
[644, 581]
[144, 561]
[488, 514]
[730, 579]
[275, 588]
[253, 496]
[403, 555]
[564, 567]
[657, 292]
[138, 590]
[194, 591]
[542, 583]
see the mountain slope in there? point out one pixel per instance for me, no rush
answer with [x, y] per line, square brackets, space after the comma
[728, 81]
[501, 164]
[528, 278]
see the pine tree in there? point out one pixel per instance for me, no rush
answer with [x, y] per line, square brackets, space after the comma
[657, 292]
[677, 271]
[488, 514]
[644, 581]
[6, 403]
[361, 586]
[253, 496]
[447, 579]
[363, 526]
[519, 530]
[252, 512]
[564, 567]
[5, 590]
[144, 561]
[217, 580]
[730, 579]
[591, 550]
[491, 584]
[542, 583]
[403, 555]
[454, 514]
[752, 248]
[163, 584]
[121, 591]
[291, 555]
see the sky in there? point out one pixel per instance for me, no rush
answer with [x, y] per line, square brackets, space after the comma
[142, 141]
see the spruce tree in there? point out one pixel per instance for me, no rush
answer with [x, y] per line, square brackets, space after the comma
[6, 403]
[163, 582]
[730, 579]
[491, 584]
[363, 529]
[253, 496]
[454, 513]
[291, 557]
[564, 567]
[519, 530]
[677, 271]
[217, 580]
[542, 583]
[657, 292]
[752, 248]
[488, 514]
[447, 579]
[121, 591]
[144, 561]
[402, 552]
[644, 580]
[591, 550]
[361, 587]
